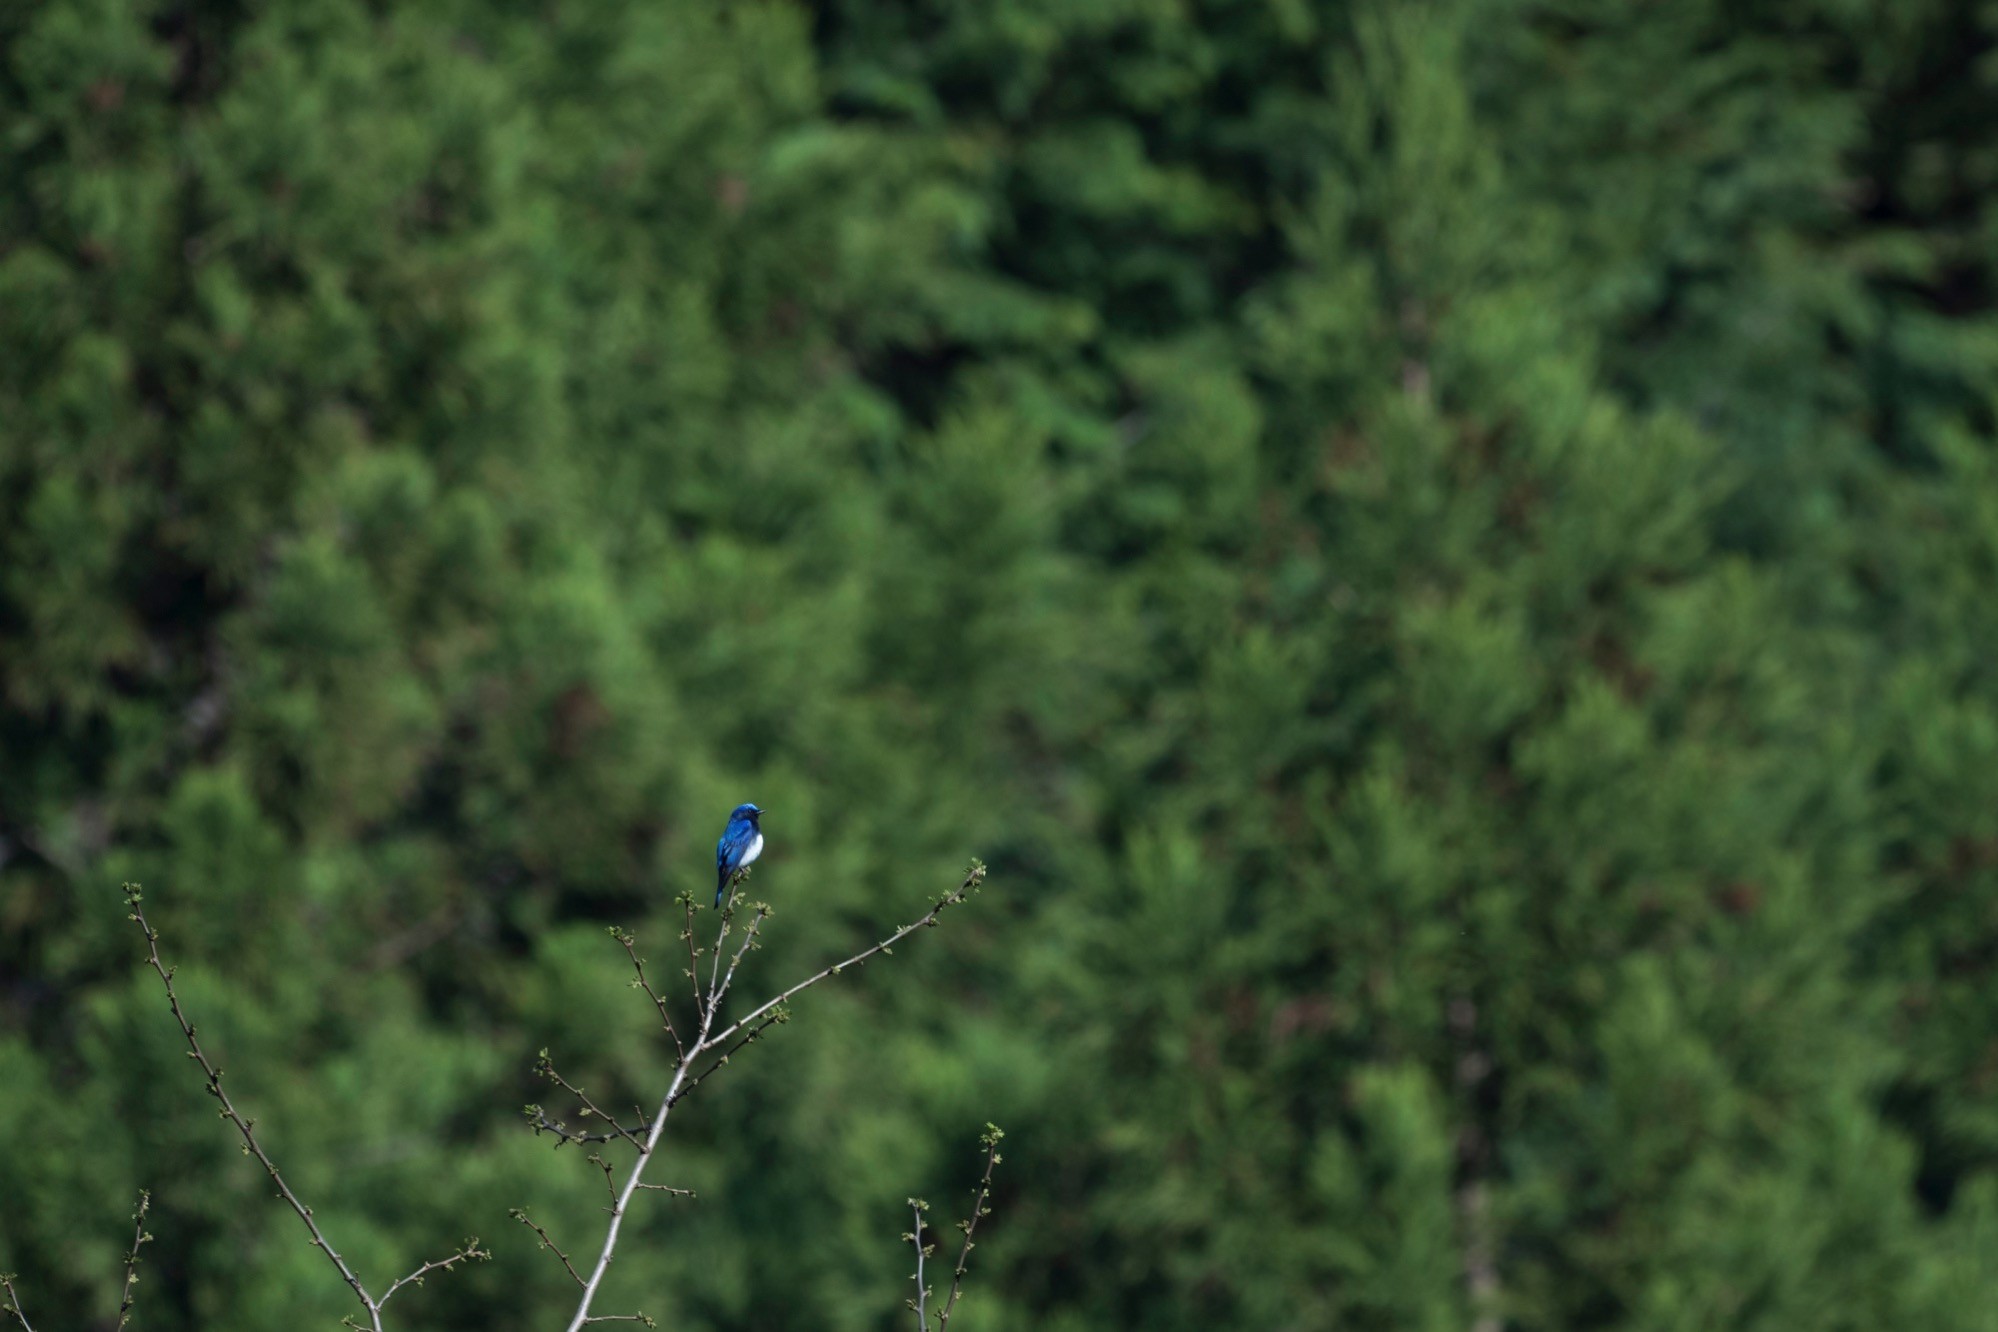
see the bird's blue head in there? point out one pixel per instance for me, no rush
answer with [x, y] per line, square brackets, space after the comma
[745, 814]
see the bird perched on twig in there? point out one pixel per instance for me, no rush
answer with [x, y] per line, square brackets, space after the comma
[741, 842]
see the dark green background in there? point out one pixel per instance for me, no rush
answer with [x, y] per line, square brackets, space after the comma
[1446, 554]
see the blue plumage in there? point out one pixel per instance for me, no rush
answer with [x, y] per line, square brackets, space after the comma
[741, 842]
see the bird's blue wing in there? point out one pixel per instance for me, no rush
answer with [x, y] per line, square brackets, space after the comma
[728, 853]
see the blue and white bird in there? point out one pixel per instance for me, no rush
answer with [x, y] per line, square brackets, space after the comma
[741, 842]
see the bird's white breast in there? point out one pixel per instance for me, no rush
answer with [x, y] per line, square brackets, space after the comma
[753, 850]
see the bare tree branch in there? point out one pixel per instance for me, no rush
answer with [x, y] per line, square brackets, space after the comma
[247, 1129]
[693, 958]
[470, 1252]
[668, 1188]
[699, 1055]
[546, 1068]
[972, 878]
[915, 1237]
[658, 1001]
[727, 919]
[621, 1204]
[13, 1304]
[720, 991]
[990, 1140]
[922, 1239]
[771, 1019]
[706, 1040]
[140, 1239]
[520, 1214]
[538, 1120]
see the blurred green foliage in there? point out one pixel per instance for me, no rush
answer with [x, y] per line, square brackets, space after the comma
[1446, 552]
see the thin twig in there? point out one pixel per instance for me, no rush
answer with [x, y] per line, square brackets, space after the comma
[520, 1215]
[668, 1188]
[693, 955]
[727, 919]
[13, 1304]
[538, 1120]
[609, 1185]
[246, 1127]
[771, 1019]
[139, 1240]
[915, 1237]
[720, 993]
[969, 1225]
[469, 1253]
[658, 1001]
[972, 878]
[546, 1068]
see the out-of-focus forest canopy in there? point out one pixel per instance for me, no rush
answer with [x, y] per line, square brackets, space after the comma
[1445, 553]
